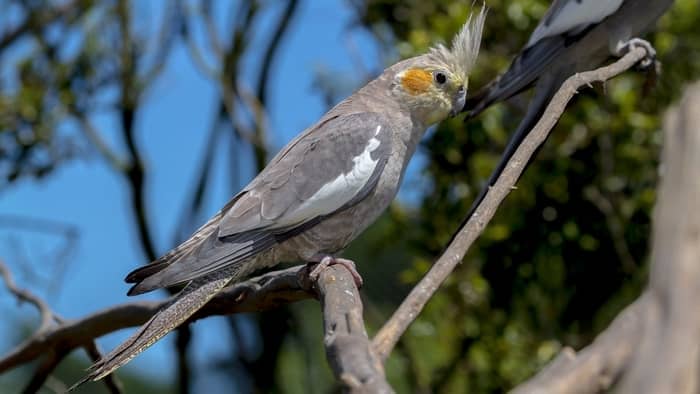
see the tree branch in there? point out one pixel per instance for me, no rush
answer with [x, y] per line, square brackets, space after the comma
[353, 360]
[348, 348]
[261, 293]
[671, 326]
[410, 308]
[40, 18]
[49, 322]
[596, 367]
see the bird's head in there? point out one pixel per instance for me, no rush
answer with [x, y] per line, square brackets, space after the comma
[433, 86]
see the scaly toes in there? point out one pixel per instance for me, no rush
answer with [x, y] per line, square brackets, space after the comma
[330, 260]
[648, 61]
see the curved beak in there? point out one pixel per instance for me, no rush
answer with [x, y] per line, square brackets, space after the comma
[458, 101]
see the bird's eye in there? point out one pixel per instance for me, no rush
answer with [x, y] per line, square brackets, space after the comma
[440, 78]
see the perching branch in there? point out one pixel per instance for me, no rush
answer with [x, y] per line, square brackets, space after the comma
[264, 292]
[413, 304]
[355, 363]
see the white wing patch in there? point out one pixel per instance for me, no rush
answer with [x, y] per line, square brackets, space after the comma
[574, 14]
[339, 191]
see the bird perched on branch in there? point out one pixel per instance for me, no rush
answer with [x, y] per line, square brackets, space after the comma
[319, 193]
[573, 36]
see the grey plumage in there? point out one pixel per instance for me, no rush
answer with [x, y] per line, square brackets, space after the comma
[573, 36]
[272, 208]
[317, 194]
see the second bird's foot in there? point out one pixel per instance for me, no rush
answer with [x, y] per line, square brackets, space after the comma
[649, 61]
[326, 261]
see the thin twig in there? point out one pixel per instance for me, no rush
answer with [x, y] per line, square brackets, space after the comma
[43, 17]
[88, 128]
[165, 40]
[410, 308]
[47, 316]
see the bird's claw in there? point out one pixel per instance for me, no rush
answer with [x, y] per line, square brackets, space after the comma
[326, 261]
[649, 61]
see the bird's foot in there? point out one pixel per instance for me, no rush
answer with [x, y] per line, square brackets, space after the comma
[649, 62]
[327, 260]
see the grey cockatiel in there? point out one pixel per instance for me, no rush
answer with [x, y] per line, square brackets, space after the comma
[320, 191]
[573, 36]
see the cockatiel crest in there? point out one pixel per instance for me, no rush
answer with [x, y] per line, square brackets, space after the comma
[438, 79]
[461, 57]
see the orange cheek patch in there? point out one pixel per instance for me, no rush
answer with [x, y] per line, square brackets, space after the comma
[416, 81]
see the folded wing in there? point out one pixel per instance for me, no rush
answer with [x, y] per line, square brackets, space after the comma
[330, 168]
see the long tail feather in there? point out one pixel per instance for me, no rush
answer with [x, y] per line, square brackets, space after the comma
[194, 296]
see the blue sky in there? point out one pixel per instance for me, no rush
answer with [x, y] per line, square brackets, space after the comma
[172, 128]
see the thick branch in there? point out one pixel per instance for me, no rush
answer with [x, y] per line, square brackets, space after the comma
[671, 324]
[261, 293]
[410, 308]
[355, 364]
[596, 367]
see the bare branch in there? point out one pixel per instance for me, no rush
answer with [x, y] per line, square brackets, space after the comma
[48, 364]
[615, 226]
[129, 95]
[355, 364]
[349, 351]
[261, 293]
[88, 128]
[595, 368]
[47, 317]
[165, 40]
[271, 50]
[410, 308]
[195, 52]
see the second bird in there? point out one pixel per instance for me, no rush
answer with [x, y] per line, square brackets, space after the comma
[573, 36]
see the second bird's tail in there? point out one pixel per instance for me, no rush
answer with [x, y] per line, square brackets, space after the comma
[543, 93]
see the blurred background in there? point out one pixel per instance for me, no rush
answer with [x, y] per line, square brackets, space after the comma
[125, 124]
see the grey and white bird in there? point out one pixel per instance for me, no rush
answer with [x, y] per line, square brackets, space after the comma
[317, 194]
[573, 36]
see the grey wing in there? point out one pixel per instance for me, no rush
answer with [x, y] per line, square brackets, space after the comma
[332, 167]
[570, 17]
[565, 22]
[339, 161]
